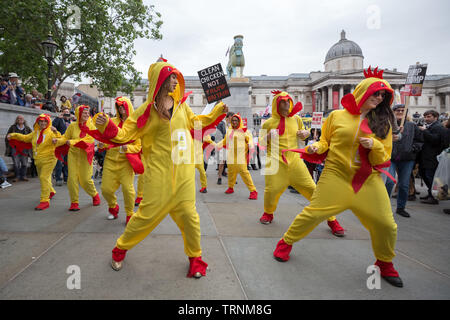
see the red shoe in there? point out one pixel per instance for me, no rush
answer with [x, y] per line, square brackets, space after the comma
[336, 228]
[96, 200]
[203, 190]
[253, 195]
[266, 218]
[389, 274]
[137, 201]
[117, 257]
[229, 190]
[282, 251]
[74, 207]
[52, 194]
[128, 219]
[43, 206]
[114, 212]
[197, 267]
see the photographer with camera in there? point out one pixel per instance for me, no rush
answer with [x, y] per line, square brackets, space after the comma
[16, 93]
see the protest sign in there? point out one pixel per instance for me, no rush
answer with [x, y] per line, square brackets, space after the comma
[316, 121]
[214, 83]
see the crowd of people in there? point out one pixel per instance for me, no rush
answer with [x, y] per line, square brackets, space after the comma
[368, 137]
[11, 92]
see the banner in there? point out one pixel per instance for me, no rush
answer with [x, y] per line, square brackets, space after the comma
[415, 79]
[214, 83]
[316, 121]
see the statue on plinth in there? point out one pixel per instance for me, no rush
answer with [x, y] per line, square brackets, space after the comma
[236, 61]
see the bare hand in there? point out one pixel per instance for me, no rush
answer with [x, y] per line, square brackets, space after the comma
[423, 128]
[53, 129]
[54, 140]
[395, 137]
[101, 120]
[68, 142]
[311, 149]
[225, 108]
[8, 136]
[124, 147]
[366, 142]
[303, 134]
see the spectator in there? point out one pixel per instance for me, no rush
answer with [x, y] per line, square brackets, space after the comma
[65, 103]
[434, 137]
[403, 158]
[416, 115]
[3, 173]
[29, 101]
[39, 102]
[20, 161]
[221, 154]
[61, 123]
[16, 95]
[4, 91]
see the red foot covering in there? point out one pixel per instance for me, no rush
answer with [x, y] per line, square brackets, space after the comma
[43, 205]
[52, 194]
[253, 195]
[96, 200]
[282, 250]
[74, 206]
[266, 217]
[229, 190]
[386, 269]
[197, 265]
[114, 211]
[138, 200]
[118, 254]
[335, 226]
[20, 146]
[312, 158]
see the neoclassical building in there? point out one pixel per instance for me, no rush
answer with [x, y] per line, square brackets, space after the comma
[322, 90]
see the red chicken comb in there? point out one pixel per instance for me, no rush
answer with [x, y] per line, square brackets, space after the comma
[275, 92]
[373, 74]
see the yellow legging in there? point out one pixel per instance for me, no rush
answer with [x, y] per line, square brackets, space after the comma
[371, 206]
[80, 173]
[234, 169]
[150, 214]
[140, 186]
[295, 174]
[201, 170]
[116, 174]
[45, 169]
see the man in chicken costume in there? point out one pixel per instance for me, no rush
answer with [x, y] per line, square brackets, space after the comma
[286, 168]
[80, 149]
[121, 162]
[41, 141]
[239, 144]
[163, 123]
[357, 143]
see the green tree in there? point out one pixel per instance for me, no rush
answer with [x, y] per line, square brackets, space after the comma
[95, 39]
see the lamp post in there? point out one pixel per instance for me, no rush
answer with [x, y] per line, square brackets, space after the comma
[50, 47]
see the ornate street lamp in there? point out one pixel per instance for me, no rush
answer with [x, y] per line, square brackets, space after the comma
[50, 47]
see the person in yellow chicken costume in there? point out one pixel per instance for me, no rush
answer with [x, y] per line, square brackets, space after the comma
[80, 148]
[238, 143]
[163, 122]
[41, 141]
[200, 151]
[357, 144]
[120, 164]
[288, 127]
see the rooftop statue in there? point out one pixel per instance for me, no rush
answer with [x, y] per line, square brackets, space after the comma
[236, 61]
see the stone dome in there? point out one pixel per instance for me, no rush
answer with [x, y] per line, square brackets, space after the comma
[344, 48]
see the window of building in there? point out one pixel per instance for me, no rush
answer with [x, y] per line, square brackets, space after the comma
[430, 101]
[191, 100]
[416, 100]
[204, 100]
[267, 100]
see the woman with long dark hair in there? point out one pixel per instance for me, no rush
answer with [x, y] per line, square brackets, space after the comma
[357, 144]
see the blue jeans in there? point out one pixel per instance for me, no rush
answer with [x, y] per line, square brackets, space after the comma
[404, 169]
[61, 168]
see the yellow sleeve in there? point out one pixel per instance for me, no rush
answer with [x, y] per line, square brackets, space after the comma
[66, 136]
[22, 137]
[301, 126]
[134, 147]
[129, 130]
[207, 119]
[266, 127]
[327, 129]
[381, 150]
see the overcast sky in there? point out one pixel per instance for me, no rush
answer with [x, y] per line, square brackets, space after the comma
[286, 36]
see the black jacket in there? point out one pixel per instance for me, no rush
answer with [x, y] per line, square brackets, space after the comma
[407, 148]
[435, 140]
[60, 124]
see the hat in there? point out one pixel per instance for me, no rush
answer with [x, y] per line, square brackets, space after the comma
[398, 106]
[13, 75]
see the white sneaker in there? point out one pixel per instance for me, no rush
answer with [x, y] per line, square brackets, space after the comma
[111, 217]
[5, 184]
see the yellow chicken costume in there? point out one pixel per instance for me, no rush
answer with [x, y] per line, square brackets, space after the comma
[238, 143]
[169, 166]
[291, 172]
[351, 177]
[119, 167]
[80, 154]
[43, 153]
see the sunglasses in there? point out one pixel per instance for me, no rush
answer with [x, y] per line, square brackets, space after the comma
[378, 93]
